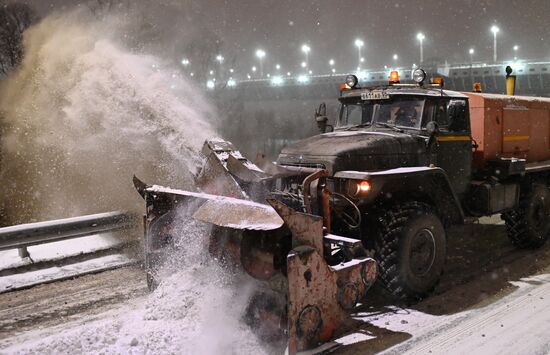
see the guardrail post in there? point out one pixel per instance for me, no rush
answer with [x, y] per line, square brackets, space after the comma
[23, 253]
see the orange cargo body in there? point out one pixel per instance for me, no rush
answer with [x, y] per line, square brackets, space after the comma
[510, 126]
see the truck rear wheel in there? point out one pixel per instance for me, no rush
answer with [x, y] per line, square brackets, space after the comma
[410, 248]
[528, 226]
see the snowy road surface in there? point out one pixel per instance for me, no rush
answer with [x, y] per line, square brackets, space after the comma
[493, 299]
[516, 324]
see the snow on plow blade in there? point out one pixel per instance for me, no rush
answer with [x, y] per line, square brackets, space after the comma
[305, 291]
[224, 211]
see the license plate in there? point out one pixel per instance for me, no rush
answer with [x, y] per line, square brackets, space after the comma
[374, 95]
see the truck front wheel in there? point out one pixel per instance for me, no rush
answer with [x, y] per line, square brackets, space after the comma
[528, 225]
[410, 248]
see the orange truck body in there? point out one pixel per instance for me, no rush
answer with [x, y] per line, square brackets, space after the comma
[509, 126]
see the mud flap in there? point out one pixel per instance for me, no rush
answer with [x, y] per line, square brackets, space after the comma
[320, 296]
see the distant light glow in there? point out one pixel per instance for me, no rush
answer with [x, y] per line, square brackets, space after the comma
[303, 79]
[192, 74]
[333, 70]
[331, 62]
[268, 75]
[495, 29]
[420, 36]
[395, 57]
[305, 48]
[231, 70]
[288, 73]
[517, 66]
[278, 66]
[220, 58]
[359, 43]
[277, 80]
[362, 60]
[211, 72]
[310, 72]
[260, 53]
[362, 75]
[253, 69]
[185, 62]
[231, 83]
[248, 76]
[304, 64]
[472, 51]
[516, 47]
[210, 84]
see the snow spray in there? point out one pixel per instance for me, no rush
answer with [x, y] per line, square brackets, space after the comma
[82, 114]
[196, 309]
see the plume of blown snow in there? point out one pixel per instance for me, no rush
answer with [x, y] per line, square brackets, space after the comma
[82, 114]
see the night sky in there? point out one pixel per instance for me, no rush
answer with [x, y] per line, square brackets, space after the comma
[387, 27]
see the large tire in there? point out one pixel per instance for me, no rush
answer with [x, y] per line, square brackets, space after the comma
[410, 247]
[528, 226]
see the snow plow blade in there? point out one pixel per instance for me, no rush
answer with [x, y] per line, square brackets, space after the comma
[320, 296]
[309, 281]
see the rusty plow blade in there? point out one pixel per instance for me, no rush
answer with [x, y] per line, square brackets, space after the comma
[320, 296]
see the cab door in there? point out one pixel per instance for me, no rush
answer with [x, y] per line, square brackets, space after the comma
[452, 148]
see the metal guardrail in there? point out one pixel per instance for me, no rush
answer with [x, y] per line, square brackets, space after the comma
[25, 235]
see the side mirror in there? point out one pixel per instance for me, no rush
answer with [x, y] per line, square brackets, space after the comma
[321, 118]
[432, 128]
[322, 123]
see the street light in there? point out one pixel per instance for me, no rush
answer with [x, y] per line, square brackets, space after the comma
[261, 54]
[395, 57]
[359, 44]
[219, 59]
[495, 30]
[420, 37]
[516, 47]
[471, 51]
[185, 62]
[278, 66]
[306, 50]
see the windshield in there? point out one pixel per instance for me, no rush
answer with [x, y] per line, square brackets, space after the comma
[399, 111]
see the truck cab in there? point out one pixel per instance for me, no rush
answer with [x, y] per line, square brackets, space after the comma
[439, 117]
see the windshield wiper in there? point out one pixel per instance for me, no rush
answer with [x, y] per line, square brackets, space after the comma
[362, 125]
[387, 125]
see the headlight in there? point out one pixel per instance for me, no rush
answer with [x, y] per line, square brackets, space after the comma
[352, 81]
[363, 187]
[419, 76]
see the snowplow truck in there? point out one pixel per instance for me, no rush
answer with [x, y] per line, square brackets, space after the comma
[371, 197]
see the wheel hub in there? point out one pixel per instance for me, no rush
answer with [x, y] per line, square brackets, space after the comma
[422, 255]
